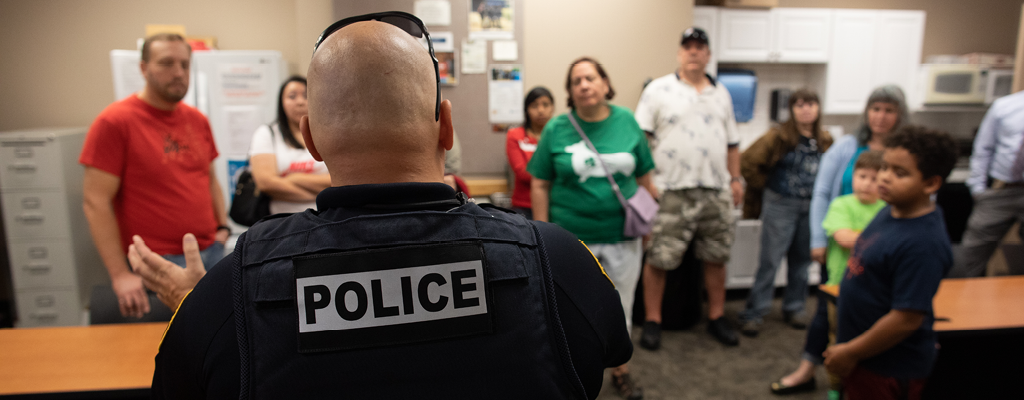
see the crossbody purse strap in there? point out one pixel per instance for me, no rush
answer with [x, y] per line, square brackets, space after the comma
[607, 174]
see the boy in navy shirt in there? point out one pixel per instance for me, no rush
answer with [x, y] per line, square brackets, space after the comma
[885, 343]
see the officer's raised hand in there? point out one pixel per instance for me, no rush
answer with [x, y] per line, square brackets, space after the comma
[170, 282]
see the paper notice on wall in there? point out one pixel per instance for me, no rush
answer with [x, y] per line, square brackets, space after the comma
[433, 12]
[505, 93]
[242, 121]
[504, 50]
[474, 57]
[241, 83]
[444, 42]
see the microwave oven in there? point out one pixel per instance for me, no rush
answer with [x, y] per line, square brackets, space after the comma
[964, 83]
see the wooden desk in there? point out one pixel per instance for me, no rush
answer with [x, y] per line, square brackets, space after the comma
[485, 185]
[78, 359]
[980, 329]
[976, 304]
[973, 304]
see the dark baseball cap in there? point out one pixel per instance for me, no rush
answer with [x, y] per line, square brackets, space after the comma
[694, 33]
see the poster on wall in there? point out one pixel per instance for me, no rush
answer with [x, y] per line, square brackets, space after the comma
[505, 92]
[446, 67]
[491, 19]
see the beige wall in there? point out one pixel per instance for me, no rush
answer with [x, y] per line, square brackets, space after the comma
[951, 26]
[55, 67]
[634, 40]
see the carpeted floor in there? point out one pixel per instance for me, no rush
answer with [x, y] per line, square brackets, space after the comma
[692, 365]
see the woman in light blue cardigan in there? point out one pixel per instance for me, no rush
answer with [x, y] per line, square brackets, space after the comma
[886, 111]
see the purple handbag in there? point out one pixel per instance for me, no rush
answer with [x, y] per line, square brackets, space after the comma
[640, 209]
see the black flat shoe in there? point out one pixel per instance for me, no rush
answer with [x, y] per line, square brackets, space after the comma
[780, 389]
[651, 337]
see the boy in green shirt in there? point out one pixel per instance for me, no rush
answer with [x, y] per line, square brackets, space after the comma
[848, 215]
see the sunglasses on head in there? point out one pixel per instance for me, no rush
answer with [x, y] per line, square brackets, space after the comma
[404, 21]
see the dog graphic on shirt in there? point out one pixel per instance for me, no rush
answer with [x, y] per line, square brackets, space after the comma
[584, 162]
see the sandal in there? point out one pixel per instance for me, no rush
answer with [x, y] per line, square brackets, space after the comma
[626, 387]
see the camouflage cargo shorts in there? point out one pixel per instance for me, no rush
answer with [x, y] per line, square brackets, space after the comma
[701, 217]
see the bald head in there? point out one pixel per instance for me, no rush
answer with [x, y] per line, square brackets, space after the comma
[372, 91]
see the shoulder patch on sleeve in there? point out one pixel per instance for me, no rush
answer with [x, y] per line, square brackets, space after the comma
[598, 263]
[172, 319]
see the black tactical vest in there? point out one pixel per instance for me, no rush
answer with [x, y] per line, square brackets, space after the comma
[424, 304]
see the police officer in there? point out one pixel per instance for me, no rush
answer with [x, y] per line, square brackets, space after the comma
[396, 288]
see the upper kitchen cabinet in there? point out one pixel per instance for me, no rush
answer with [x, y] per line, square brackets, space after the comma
[871, 48]
[790, 35]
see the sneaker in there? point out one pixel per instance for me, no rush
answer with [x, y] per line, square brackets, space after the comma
[750, 328]
[627, 388]
[796, 320]
[723, 332]
[651, 337]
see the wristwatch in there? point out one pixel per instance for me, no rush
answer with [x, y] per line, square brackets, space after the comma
[736, 179]
[224, 227]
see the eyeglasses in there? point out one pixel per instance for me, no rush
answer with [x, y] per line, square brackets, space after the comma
[404, 21]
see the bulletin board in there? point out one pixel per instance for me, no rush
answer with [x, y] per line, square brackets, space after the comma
[483, 150]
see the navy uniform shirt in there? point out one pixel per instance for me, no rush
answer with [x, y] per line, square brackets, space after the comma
[199, 355]
[897, 264]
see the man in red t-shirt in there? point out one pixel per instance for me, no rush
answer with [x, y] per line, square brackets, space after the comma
[149, 171]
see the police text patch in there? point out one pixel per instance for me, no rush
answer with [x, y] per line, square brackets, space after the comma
[390, 296]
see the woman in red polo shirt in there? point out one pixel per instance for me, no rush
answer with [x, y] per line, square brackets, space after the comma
[521, 142]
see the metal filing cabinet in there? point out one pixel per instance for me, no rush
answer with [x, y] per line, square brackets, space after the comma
[53, 261]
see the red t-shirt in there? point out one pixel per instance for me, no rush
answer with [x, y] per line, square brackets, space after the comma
[163, 159]
[520, 147]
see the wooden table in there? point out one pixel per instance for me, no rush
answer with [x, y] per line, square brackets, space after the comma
[78, 359]
[973, 304]
[980, 329]
[980, 304]
[485, 185]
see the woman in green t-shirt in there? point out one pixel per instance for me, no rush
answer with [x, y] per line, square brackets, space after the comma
[570, 187]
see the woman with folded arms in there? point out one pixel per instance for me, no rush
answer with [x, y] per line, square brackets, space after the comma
[281, 166]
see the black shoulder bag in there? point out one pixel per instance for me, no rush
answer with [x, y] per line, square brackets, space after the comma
[250, 205]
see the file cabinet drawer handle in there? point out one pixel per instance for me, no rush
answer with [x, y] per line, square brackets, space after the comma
[30, 203]
[22, 167]
[29, 219]
[43, 316]
[37, 252]
[45, 301]
[38, 269]
[23, 152]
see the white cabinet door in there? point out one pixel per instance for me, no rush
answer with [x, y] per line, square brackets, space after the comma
[898, 40]
[802, 35]
[871, 48]
[706, 18]
[746, 35]
[848, 80]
